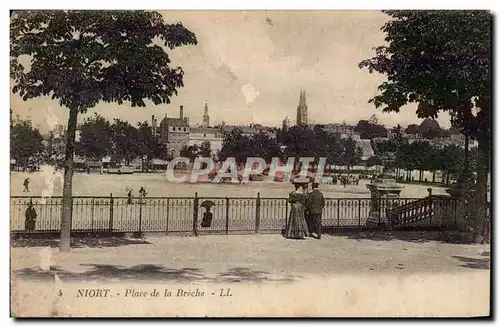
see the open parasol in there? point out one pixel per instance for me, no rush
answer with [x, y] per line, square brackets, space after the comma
[207, 204]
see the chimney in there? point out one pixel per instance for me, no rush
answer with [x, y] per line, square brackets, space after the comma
[181, 112]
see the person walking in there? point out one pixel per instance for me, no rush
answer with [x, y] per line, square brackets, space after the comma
[129, 197]
[296, 227]
[26, 185]
[315, 205]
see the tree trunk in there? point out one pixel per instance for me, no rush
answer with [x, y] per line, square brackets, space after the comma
[482, 223]
[433, 176]
[67, 206]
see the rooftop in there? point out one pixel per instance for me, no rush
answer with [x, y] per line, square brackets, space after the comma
[176, 122]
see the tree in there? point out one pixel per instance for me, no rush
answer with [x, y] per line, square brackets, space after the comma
[369, 130]
[265, 147]
[452, 158]
[333, 150]
[412, 129]
[190, 152]
[442, 60]
[383, 147]
[124, 141]
[238, 146]
[300, 141]
[350, 153]
[25, 144]
[82, 58]
[205, 149]
[373, 161]
[147, 146]
[95, 138]
[421, 152]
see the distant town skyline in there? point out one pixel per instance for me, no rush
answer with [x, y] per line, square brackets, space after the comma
[250, 67]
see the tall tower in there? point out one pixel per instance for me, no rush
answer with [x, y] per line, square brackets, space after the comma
[206, 117]
[302, 109]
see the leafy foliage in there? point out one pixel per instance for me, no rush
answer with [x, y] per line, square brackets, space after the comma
[96, 138]
[205, 149]
[442, 61]
[25, 143]
[190, 152]
[373, 161]
[83, 57]
[148, 146]
[412, 129]
[124, 141]
[439, 59]
[369, 130]
[351, 154]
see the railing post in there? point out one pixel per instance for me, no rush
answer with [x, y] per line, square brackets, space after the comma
[257, 213]
[227, 215]
[111, 208]
[140, 214]
[359, 212]
[286, 212]
[92, 214]
[195, 214]
[431, 212]
[338, 212]
[380, 210]
[168, 211]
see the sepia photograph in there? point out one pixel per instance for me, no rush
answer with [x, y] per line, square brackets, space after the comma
[250, 163]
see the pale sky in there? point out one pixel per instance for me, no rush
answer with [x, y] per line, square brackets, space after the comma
[250, 66]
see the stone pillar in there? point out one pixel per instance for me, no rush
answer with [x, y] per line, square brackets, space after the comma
[381, 190]
[462, 193]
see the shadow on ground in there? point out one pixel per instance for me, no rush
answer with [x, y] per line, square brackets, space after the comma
[408, 236]
[148, 272]
[88, 242]
[474, 263]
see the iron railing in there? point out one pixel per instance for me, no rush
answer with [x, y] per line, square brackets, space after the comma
[184, 214]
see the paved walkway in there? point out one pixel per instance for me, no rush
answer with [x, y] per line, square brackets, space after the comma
[278, 272]
[254, 256]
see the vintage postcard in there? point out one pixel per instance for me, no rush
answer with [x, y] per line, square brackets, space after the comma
[250, 163]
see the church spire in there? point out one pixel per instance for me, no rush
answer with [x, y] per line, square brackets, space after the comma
[302, 109]
[302, 101]
[206, 117]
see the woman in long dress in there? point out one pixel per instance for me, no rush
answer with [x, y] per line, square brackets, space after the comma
[296, 227]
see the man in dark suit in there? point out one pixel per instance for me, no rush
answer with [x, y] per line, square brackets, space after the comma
[315, 205]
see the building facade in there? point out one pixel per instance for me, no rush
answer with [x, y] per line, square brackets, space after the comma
[175, 132]
[198, 135]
